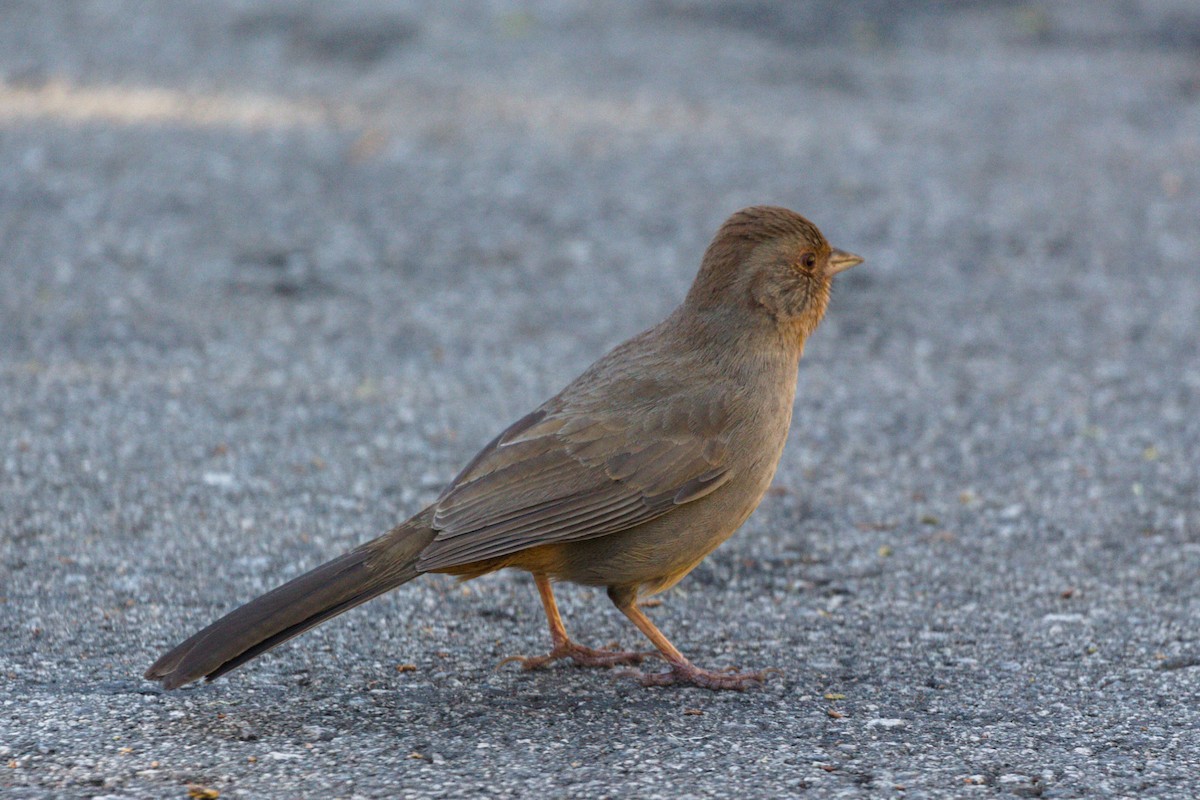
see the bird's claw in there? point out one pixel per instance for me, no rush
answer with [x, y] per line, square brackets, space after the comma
[581, 655]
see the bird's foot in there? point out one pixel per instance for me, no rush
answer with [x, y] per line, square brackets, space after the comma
[581, 655]
[707, 679]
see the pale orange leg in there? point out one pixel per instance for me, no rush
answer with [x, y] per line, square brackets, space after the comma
[682, 670]
[564, 647]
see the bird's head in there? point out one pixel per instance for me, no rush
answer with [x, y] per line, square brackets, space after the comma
[773, 262]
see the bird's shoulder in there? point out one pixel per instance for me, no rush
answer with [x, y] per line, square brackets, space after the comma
[639, 398]
[587, 462]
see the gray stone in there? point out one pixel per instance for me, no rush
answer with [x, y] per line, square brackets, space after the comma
[270, 274]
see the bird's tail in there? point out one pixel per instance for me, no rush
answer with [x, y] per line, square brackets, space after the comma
[334, 587]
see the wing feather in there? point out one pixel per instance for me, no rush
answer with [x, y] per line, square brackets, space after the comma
[559, 476]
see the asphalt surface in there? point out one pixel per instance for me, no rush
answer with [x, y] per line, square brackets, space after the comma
[270, 273]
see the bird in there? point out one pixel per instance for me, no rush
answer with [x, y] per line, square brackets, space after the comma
[626, 479]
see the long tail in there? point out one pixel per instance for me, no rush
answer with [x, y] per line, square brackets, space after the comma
[340, 585]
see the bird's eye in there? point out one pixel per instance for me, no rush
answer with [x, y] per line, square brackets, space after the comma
[808, 260]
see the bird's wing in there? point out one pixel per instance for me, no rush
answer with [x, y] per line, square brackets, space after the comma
[557, 476]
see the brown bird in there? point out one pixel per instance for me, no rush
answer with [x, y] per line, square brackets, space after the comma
[625, 479]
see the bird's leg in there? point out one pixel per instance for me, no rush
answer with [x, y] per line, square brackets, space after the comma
[682, 670]
[563, 646]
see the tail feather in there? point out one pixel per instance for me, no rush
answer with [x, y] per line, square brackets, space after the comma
[339, 585]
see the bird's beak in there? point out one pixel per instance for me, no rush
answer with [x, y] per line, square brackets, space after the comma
[840, 260]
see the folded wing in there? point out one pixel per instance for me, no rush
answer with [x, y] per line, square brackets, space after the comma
[556, 476]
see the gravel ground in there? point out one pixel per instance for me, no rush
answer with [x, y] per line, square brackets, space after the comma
[270, 273]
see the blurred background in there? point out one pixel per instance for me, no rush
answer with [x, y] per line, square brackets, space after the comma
[270, 272]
